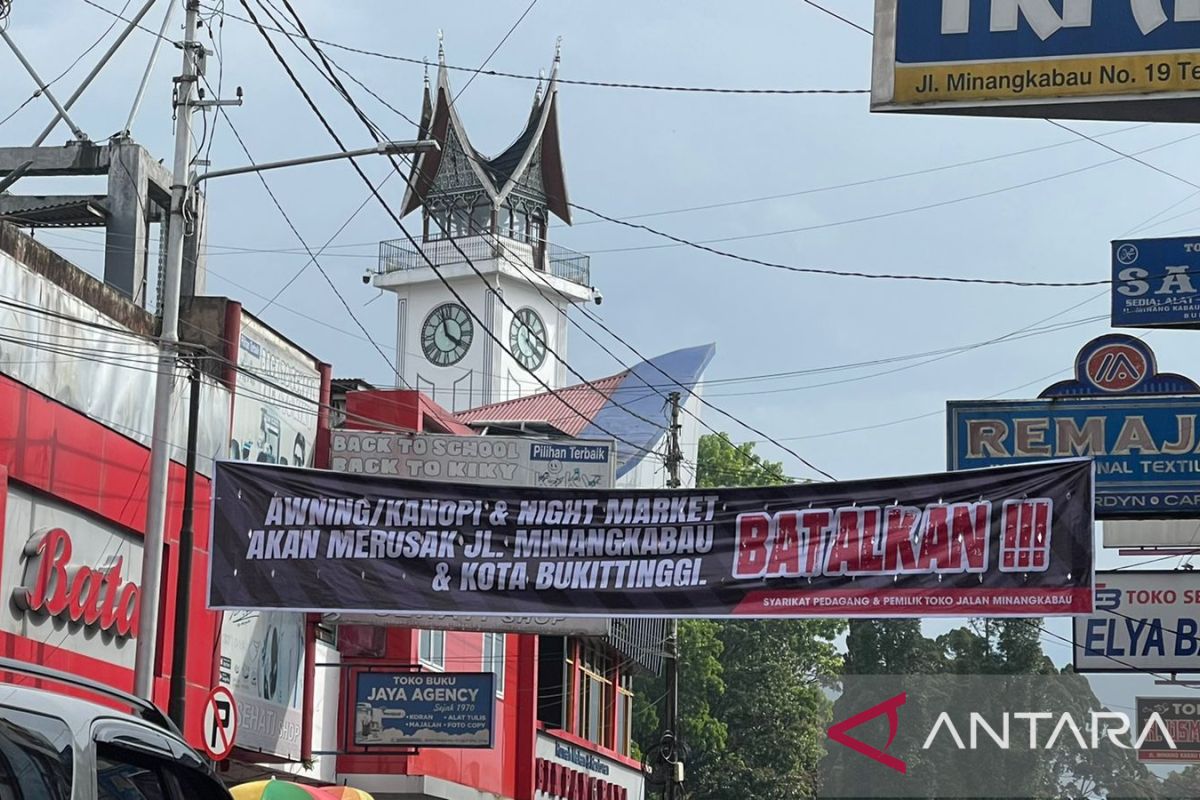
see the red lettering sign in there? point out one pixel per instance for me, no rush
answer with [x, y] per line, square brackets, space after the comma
[560, 781]
[91, 597]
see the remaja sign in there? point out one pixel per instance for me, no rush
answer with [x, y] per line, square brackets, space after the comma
[1116, 59]
[1140, 425]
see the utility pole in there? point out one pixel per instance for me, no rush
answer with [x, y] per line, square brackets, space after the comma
[183, 589]
[672, 747]
[164, 389]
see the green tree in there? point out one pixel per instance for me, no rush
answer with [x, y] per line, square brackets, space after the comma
[752, 704]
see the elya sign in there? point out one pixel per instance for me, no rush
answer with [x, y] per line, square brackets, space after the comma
[1155, 283]
[1143, 621]
[1086, 59]
[1140, 425]
[1015, 540]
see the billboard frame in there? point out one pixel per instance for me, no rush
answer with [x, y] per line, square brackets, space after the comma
[1076, 648]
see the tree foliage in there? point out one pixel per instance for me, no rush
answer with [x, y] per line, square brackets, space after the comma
[752, 704]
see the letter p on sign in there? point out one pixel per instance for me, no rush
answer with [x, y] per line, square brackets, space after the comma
[220, 724]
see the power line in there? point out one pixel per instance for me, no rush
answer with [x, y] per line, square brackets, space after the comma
[299, 237]
[384, 204]
[679, 241]
[844, 273]
[859, 183]
[1130, 156]
[374, 130]
[495, 50]
[838, 16]
[518, 76]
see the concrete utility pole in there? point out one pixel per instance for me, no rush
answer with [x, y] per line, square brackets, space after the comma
[672, 750]
[164, 388]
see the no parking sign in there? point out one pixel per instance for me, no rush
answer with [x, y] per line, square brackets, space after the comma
[220, 724]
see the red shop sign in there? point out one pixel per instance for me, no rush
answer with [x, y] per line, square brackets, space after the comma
[95, 597]
[560, 781]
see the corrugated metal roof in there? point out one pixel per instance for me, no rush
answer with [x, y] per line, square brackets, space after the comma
[550, 408]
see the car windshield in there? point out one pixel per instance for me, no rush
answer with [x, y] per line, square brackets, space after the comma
[35, 756]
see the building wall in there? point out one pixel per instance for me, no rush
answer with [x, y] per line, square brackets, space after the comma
[76, 472]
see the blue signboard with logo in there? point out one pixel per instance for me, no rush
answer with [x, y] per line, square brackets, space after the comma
[1155, 283]
[424, 709]
[1141, 426]
[1007, 56]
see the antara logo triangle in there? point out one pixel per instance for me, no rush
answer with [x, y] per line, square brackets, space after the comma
[839, 732]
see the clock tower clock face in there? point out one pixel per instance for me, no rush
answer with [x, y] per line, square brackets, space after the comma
[527, 339]
[446, 335]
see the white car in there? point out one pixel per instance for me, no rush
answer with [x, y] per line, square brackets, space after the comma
[54, 745]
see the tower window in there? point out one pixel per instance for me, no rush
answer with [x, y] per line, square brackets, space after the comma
[481, 219]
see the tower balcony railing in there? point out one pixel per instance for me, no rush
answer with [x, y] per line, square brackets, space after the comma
[399, 255]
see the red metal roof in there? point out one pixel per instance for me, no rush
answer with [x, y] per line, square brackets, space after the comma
[554, 409]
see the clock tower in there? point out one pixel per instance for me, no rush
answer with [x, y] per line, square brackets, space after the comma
[485, 227]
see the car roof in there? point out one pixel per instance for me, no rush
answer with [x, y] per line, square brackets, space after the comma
[77, 712]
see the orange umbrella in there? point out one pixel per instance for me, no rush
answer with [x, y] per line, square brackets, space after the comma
[346, 793]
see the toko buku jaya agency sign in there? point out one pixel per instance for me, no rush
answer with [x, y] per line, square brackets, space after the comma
[1008, 541]
[1140, 425]
[1081, 59]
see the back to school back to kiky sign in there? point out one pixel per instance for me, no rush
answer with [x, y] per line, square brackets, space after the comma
[1082, 59]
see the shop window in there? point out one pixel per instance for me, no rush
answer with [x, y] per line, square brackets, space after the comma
[624, 714]
[553, 680]
[504, 221]
[595, 696]
[481, 219]
[431, 649]
[493, 658]
[520, 226]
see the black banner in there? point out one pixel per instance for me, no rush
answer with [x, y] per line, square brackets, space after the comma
[1008, 541]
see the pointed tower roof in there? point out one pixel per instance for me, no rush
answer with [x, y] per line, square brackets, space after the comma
[532, 165]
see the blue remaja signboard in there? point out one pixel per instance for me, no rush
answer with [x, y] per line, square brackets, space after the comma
[424, 709]
[1154, 283]
[1089, 58]
[1142, 427]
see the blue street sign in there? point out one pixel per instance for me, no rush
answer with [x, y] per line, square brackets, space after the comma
[424, 709]
[1105, 59]
[1155, 283]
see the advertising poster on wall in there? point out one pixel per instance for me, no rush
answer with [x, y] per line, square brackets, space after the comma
[271, 425]
[262, 663]
[512, 460]
[1013, 540]
[274, 421]
[414, 709]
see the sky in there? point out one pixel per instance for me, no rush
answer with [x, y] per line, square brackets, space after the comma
[631, 152]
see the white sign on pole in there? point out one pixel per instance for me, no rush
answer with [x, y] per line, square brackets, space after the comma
[510, 460]
[220, 723]
[1143, 621]
[1152, 533]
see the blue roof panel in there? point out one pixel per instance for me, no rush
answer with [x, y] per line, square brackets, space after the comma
[633, 400]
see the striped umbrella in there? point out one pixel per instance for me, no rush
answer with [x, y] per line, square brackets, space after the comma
[278, 790]
[347, 793]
